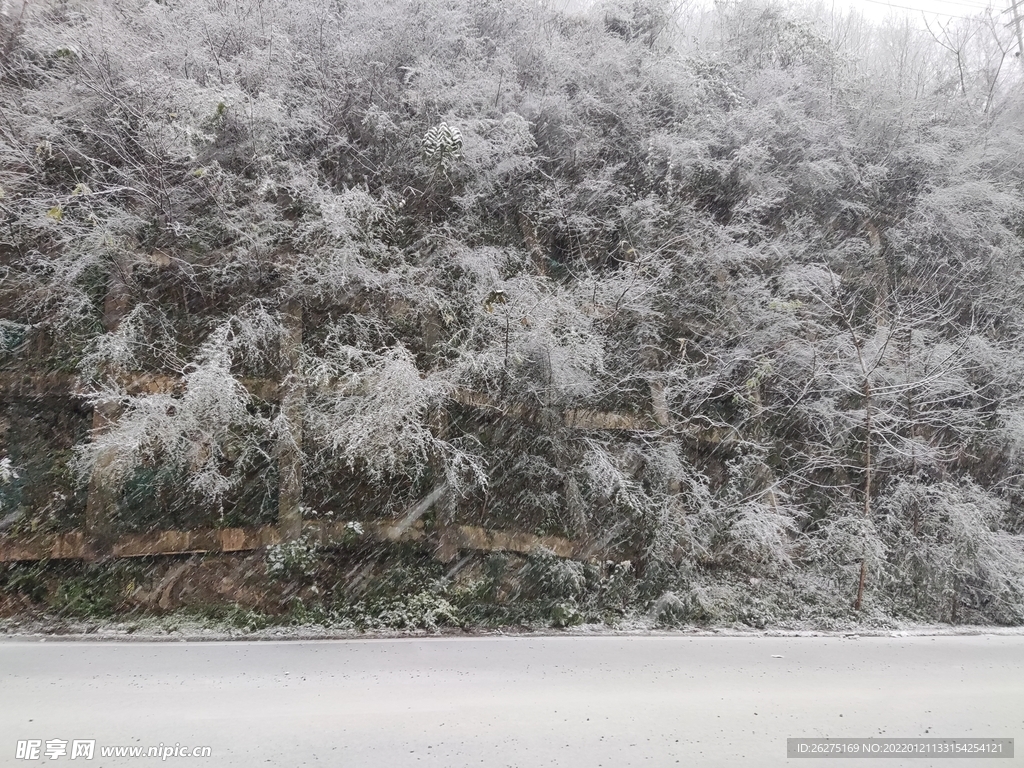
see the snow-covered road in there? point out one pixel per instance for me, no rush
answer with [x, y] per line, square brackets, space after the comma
[527, 701]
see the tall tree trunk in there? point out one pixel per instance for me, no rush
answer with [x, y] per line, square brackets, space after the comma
[867, 487]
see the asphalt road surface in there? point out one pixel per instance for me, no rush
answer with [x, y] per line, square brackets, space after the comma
[564, 701]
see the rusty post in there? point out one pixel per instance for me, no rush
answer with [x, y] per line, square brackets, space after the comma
[101, 500]
[289, 457]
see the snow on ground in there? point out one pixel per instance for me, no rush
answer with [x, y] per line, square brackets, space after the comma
[532, 700]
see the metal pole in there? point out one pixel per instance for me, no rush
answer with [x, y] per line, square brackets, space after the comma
[1015, 8]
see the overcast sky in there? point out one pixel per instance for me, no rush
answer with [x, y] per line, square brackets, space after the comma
[945, 8]
[877, 9]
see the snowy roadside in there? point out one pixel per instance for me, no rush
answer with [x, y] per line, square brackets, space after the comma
[190, 629]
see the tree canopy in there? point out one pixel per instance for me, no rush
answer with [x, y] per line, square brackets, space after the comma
[728, 291]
